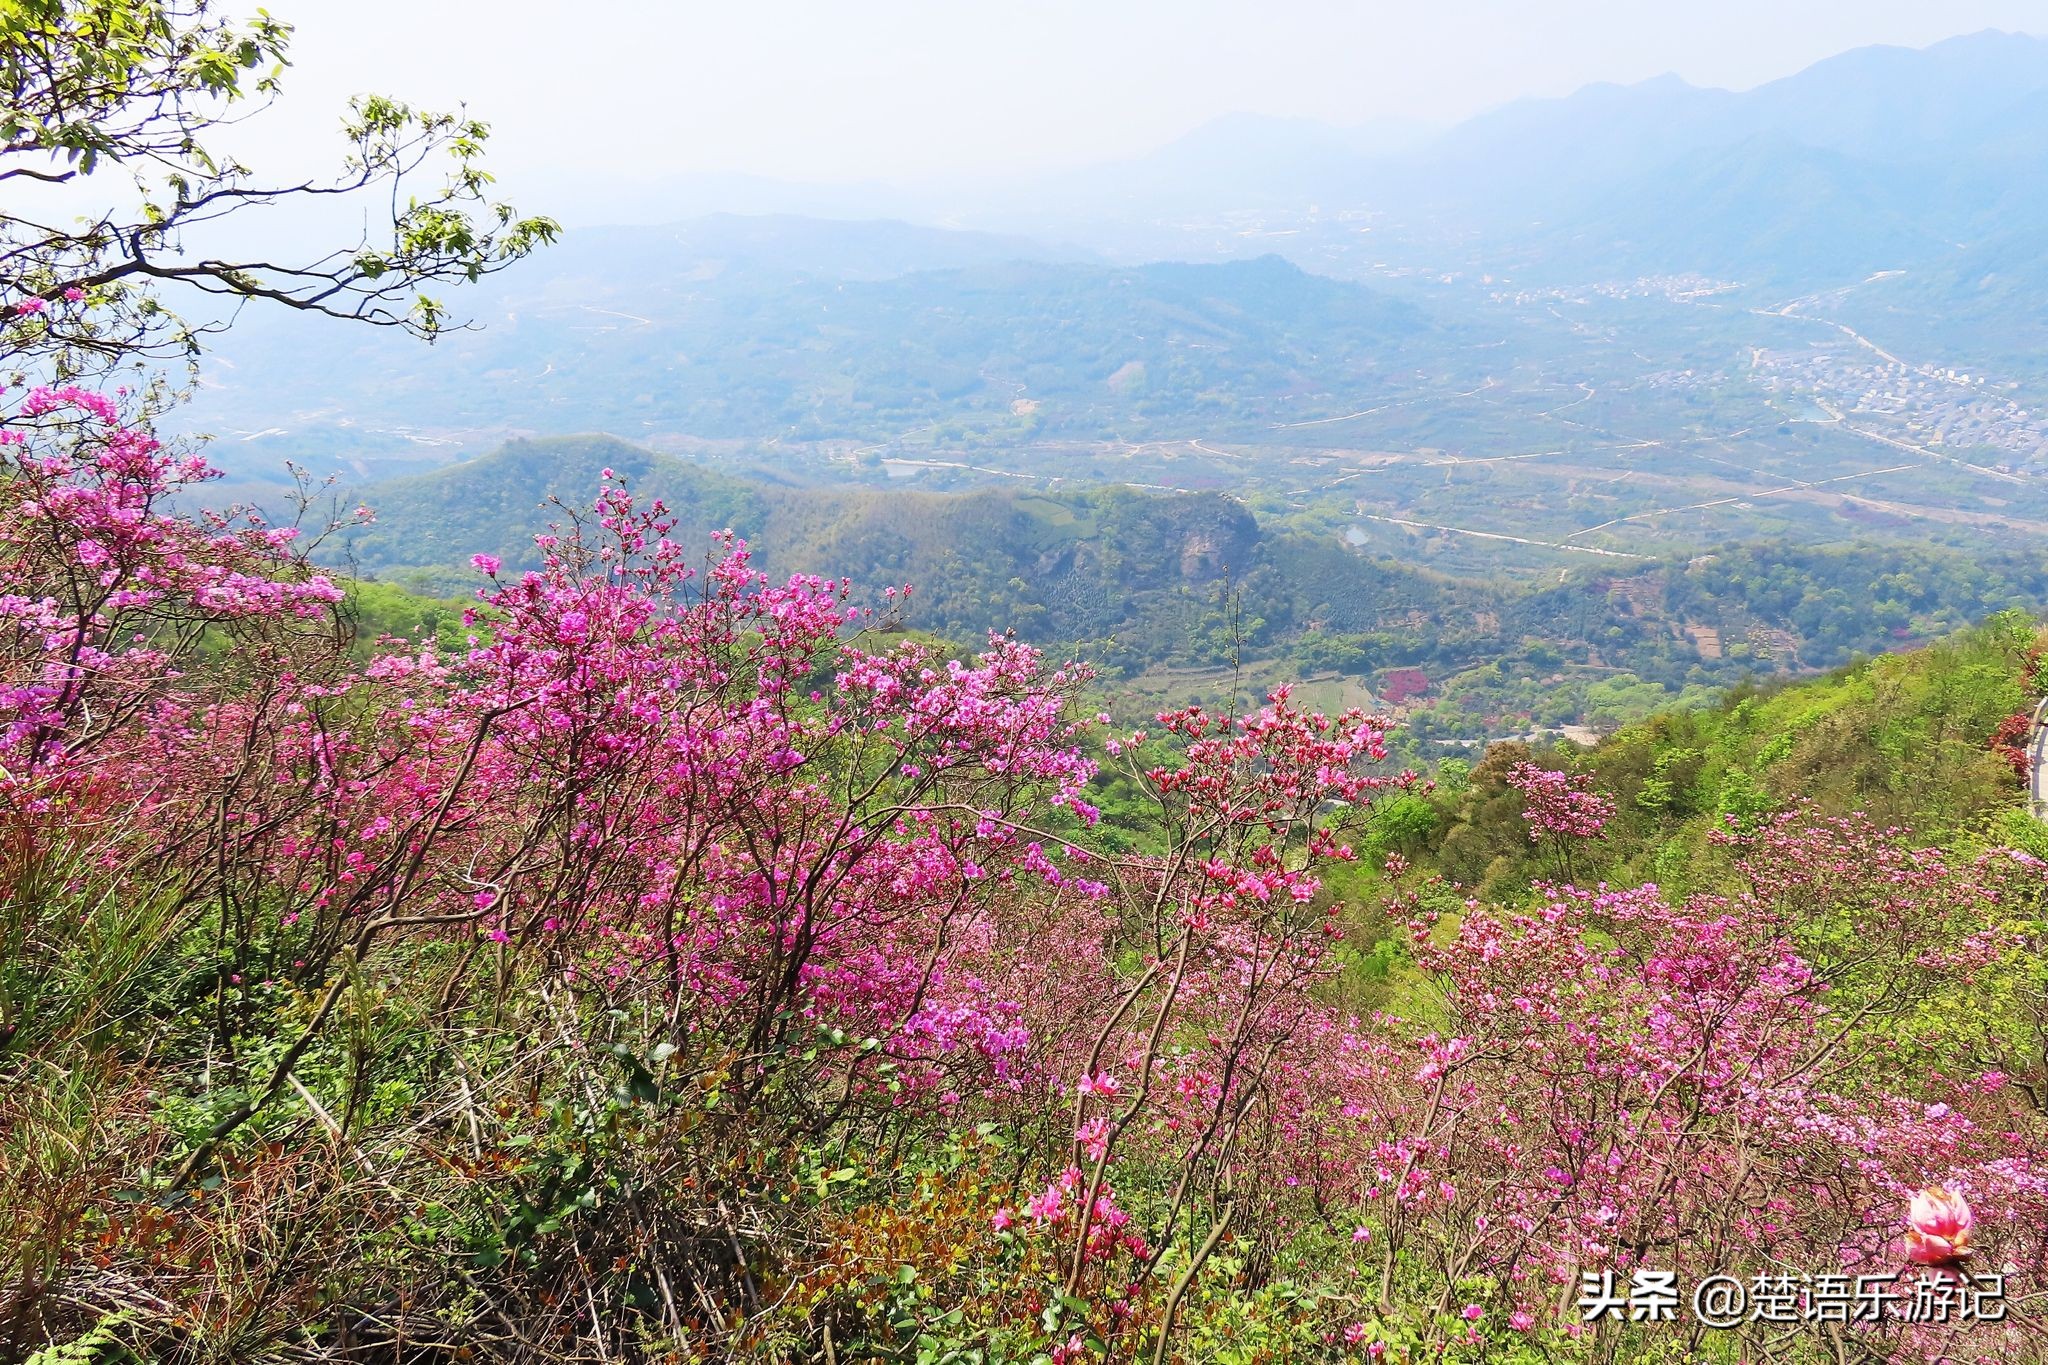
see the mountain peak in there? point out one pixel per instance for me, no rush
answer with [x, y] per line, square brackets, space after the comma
[1670, 82]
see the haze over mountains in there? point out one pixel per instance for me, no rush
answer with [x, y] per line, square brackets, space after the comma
[654, 327]
[1881, 158]
[1570, 342]
[1944, 144]
[1932, 164]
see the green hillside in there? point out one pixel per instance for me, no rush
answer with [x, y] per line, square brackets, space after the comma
[1152, 585]
[1148, 572]
[1910, 739]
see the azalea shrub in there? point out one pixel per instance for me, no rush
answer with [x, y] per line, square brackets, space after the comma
[678, 964]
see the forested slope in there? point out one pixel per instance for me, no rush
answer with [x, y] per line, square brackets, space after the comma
[1927, 739]
[1141, 579]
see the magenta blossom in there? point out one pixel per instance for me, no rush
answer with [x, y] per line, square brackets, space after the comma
[1938, 1226]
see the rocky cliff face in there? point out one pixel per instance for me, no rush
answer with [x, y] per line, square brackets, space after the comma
[1209, 552]
[1191, 539]
[1143, 542]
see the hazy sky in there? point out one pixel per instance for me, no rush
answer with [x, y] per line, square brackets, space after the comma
[906, 90]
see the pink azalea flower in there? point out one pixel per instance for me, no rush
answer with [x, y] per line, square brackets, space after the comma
[1048, 1206]
[1472, 1312]
[1938, 1227]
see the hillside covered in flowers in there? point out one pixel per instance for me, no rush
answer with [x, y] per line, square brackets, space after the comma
[671, 961]
[687, 967]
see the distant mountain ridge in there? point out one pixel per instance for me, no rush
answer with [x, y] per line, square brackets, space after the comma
[777, 248]
[1943, 146]
[1511, 301]
[685, 330]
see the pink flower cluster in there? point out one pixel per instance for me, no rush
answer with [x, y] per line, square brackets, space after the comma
[100, 573]
[1560, 805]
[1617, 1071]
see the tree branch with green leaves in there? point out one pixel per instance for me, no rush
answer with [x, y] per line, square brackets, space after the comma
[140, 88]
